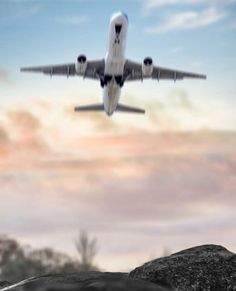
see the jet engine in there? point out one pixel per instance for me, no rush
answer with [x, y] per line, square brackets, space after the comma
[147, 67]
[81, 65]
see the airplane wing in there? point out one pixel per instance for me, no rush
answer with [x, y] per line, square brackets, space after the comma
[133, 72]
[94, 69]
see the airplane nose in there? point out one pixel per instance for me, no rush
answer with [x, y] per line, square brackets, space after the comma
[125, 16]
[120, 16]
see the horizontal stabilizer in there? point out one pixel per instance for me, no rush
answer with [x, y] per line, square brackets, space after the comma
[93, 107]
[128, 109]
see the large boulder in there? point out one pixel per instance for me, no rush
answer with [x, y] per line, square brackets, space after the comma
[4, 284]
[84, 281]
[207, 267]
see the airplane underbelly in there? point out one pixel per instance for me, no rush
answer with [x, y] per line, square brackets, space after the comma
[114, 60]
[111, 96]
[114, 63]
[114, 66]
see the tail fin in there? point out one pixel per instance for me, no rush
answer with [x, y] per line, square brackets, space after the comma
[128, 109]
[100, 107]
[93, 107]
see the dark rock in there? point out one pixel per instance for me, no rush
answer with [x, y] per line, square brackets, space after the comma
[4, 284]
[84, 281]
[207, 267]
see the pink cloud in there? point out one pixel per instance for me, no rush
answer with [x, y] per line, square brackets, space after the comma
[136, 191]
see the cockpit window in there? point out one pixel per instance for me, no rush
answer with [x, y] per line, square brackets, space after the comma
[118, 28]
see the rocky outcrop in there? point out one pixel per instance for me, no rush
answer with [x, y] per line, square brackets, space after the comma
[84, 281]
[203, 268]
[207, 267]
[4, 284]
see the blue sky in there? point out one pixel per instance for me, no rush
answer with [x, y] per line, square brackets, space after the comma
[61, 171]
[65, 28]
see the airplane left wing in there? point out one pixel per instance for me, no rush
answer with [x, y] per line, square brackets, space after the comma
[133, 72]
[94, 69]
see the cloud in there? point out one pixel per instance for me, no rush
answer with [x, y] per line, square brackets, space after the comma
[98, 120]
[73, 20]
[234, 24]
[157, 3]
[168, 113]
[188, 20]
[149, 4]
[4, 76]
[150, 189]
[18, 10]
[26, 131]
[114, 183]
[180, 99]
[3, 135]
[4, 140]
[24, 121]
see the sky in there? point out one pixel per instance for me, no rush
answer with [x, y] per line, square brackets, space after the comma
[140, 184]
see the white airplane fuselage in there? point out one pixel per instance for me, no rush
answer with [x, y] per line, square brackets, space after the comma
[115, 61]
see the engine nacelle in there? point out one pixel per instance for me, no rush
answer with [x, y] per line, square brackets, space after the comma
[147, 67]
[81, 65]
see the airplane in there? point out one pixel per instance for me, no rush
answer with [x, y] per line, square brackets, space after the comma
[114, 70]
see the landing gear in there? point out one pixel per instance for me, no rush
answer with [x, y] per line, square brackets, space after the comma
[102, 83]
[107, 79]
[119, 80]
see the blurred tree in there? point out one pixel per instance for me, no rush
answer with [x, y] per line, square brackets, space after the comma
[87, 250]
[18, 263]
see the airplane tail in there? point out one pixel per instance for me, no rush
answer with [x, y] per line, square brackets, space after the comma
[100, 107]
[129, 109]
[93, 107]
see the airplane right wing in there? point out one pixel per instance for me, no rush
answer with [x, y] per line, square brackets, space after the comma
[133, 72]
[94, 69]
